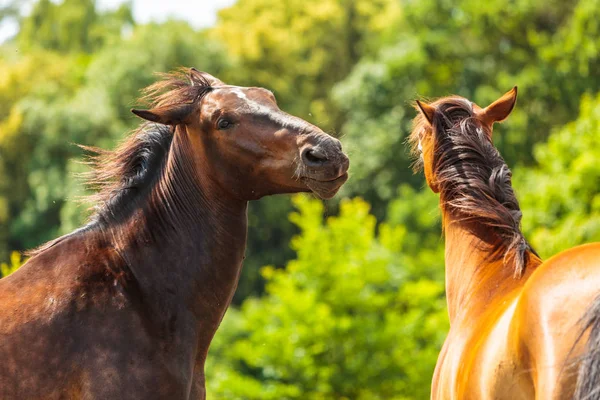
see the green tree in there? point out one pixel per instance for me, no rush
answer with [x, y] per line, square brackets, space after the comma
[72, 25]
[560, 197]
[35, 82]
[478, 51]
[15, 262]
[301, 48]
[350, 318]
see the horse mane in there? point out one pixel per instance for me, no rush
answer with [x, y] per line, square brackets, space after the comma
[117, 176]
[120, 178]
[473, 178]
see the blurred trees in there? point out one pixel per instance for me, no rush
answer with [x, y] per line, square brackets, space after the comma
[561, 195]
[301, 48]
[72, 25]
[358, 311]
[15, 262]
[477, 51]
[9, 9]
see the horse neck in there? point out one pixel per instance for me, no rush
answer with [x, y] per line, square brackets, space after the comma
[186, 245]
[476, 275]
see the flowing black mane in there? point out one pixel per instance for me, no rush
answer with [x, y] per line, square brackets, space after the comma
[122, 178]
[473, 179]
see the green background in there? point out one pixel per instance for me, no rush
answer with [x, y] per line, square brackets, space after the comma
[341, 299]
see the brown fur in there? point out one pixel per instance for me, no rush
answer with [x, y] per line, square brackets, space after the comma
[126, 306]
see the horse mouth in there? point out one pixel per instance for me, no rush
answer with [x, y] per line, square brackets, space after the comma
[326, 189]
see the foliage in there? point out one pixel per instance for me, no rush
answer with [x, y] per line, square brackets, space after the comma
[357, 312]
[15, 262]
[478, 51]
[72, 25]
[346, 319]
[561, 196]
[301, 48]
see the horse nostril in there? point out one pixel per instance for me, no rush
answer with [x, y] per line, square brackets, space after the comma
[314, 157]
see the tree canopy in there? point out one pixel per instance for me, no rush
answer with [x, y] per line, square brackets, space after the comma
[338, 299]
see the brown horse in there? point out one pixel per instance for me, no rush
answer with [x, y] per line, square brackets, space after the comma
[518, 326]
[126, 307]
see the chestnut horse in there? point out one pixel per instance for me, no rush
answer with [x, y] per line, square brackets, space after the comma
[518, 325]
[126, 306]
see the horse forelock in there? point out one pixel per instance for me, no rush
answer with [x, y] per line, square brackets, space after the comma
[185, 85]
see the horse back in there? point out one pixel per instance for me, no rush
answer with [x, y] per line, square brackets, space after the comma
[69, 328]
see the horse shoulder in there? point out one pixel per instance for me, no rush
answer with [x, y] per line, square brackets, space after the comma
[489, 366]
[554, 299]
[478, 362]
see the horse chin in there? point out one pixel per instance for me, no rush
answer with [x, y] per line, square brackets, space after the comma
[326, 189]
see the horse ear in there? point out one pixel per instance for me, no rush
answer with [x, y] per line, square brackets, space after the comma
[427, 111]
[174, 114]
[500, 109]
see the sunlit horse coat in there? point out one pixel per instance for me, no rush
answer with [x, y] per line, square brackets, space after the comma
[516, 322]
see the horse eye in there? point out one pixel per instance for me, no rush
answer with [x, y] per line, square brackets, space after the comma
[224, 124]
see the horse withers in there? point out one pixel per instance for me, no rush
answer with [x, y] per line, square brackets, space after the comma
[126, 306]
[520, 328]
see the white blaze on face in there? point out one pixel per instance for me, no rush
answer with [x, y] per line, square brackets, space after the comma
[239, 93]
[248, 103]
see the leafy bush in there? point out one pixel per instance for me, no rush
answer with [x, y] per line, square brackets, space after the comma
[346, 319]
[15, 262]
